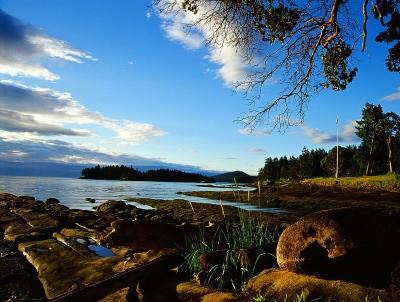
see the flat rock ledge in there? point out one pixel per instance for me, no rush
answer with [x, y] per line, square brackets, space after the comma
[50, 252]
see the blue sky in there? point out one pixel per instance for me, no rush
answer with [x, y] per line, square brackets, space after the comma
[95, 82]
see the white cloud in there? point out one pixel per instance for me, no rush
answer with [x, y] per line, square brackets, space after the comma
[16, 68]
[395, 96]
[349, 132]
[232, 64]
[131, 132]
[257, 150]
[317, 136]
[176, 31]
[13, 154]
[23, 47]
[256, 132]
[43, 111]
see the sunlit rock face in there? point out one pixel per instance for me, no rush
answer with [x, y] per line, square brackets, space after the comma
[357, 244]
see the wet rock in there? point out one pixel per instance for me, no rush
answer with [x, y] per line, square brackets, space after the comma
[6, 215]
[18, 281]
[19, 231]
[358, 244]
[61, 269]
[58, 211]
[111, 206]
[276, 284]
[190, 291]
[38, 220]
[52, 200]
[13, 201]
[91, 200]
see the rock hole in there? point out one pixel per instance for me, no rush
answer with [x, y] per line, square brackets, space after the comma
[311, 232]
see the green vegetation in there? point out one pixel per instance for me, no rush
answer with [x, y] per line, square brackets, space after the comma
[129, 173]
[232, 273]
[389, 182]
[378, 153]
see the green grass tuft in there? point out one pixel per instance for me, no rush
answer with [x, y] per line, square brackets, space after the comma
[230, 274]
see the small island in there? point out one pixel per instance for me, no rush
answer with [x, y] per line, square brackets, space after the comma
[129, 173]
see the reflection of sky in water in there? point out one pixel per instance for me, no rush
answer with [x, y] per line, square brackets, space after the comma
[72, 192]
[100, 250]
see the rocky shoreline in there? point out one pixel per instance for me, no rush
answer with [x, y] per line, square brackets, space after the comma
[122, 253]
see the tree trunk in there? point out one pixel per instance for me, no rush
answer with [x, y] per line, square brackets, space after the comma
[368, 171]
[389, 145]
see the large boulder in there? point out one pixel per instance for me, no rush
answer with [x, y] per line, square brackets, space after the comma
[357, 244]
[281, 285]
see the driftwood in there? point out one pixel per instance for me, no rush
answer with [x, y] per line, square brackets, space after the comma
[131, 277]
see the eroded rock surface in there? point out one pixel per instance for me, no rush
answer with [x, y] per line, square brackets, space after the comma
[283, 285]
[49, 249]
[357, 244]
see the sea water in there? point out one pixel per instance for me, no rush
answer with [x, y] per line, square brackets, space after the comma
[72, 192]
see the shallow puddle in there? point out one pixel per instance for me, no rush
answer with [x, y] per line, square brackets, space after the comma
[100, 250]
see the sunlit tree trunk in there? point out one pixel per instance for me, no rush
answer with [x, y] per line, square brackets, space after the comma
[368, 171]
[389, 145]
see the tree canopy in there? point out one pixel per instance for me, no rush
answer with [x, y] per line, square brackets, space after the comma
[378, 152]
[307, 45]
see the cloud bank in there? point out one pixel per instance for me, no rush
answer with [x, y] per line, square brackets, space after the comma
[30, 112]
[23, 47]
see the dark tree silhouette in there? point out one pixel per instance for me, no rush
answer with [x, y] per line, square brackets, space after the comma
[129, 173]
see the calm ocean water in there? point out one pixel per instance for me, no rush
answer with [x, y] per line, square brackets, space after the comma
[72, 192]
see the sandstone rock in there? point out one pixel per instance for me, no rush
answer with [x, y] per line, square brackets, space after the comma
[192, 292]
[281, 285]
[61, 269]
[356, 244]
[52, 200]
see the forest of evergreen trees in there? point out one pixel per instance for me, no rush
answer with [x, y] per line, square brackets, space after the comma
[378, 152]
[129, 173]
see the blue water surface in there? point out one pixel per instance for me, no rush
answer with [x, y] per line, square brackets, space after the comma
[72, 192]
